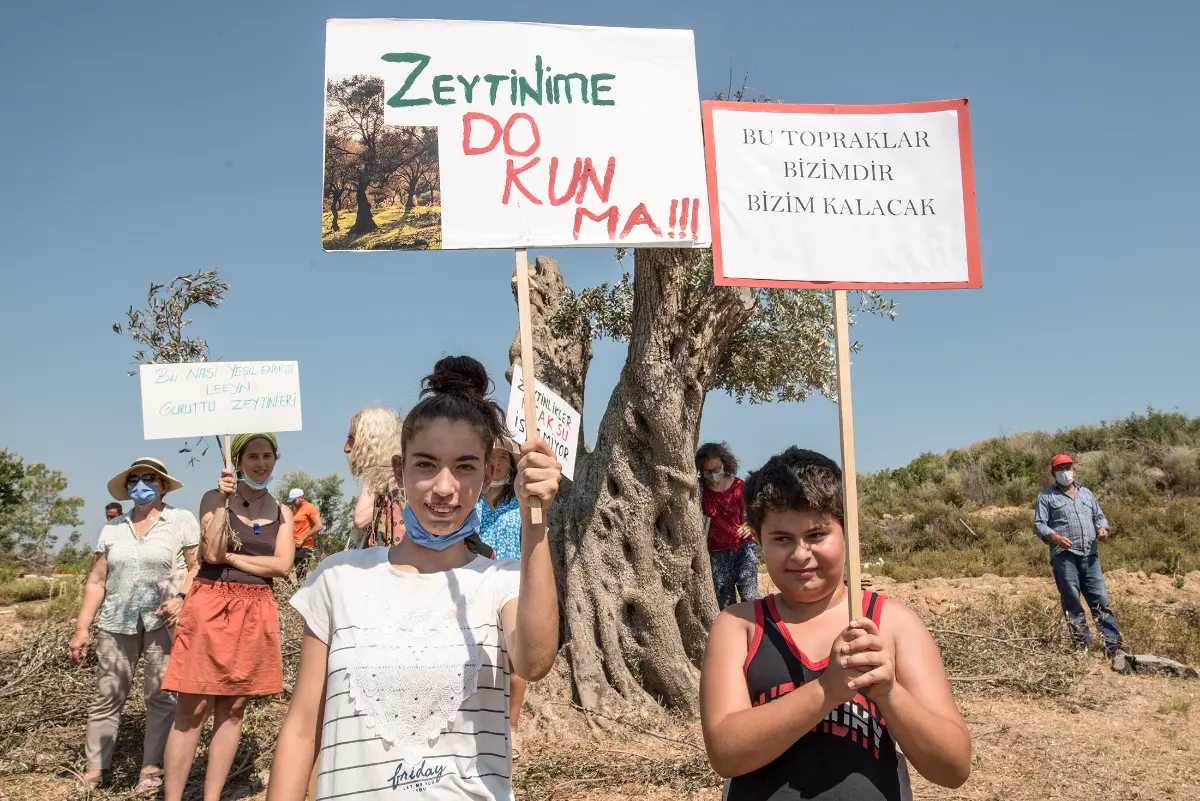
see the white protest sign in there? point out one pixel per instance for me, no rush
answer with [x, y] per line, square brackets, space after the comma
[510, 135]
[557, 422]
[202, 398]
[848, 197]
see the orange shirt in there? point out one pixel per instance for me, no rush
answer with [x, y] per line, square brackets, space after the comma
[305, 517]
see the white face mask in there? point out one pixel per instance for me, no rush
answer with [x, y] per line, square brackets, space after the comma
[501, 483]
[1065, 478]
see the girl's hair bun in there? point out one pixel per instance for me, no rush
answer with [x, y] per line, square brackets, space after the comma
[457, 375]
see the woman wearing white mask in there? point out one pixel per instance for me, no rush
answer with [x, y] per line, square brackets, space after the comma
[143, 566]
[227, 643]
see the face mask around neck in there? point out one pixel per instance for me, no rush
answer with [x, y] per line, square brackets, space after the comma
[254, 485]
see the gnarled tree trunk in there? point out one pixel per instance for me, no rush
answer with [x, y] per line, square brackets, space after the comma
[627, 535]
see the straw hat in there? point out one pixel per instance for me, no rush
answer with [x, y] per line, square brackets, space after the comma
[506, 444]
[116, 485]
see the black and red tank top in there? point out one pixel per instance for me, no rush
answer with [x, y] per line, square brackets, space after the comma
[849, 756]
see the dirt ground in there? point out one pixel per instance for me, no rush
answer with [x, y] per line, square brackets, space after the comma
[1116, 737]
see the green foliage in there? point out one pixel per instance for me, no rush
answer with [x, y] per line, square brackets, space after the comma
[783, 353]
[22, 590]
[337, 513]
[27, 529]
[158, 330]
[12, 470]
[970, 511]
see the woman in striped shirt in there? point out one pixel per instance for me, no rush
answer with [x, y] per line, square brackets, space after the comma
[404, 669]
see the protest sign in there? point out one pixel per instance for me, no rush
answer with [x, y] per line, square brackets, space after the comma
[842, 197]
[202, 398]
[462, 134]
[852, 197]
[557, 422]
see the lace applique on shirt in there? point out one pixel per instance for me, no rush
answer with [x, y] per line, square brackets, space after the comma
[411, 675]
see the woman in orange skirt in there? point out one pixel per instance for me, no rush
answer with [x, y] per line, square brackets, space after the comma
[227, 639]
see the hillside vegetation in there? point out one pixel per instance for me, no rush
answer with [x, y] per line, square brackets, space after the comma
[968, 512]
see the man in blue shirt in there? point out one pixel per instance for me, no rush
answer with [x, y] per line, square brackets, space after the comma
[1069, 519]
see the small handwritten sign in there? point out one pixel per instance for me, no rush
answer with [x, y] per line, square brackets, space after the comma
[557, 422]
[202, 398]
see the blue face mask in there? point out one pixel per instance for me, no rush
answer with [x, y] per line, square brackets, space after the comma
[438, 542]
[254, 485]
[143, 494]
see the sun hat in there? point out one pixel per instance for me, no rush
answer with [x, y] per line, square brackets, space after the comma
[507, 444]
[118, 490]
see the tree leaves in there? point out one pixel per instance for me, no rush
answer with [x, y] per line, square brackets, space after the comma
[783, 353]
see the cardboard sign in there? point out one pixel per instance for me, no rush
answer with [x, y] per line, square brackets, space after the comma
[459, 134]
[557, 422]
[842, 197]
[202, 398]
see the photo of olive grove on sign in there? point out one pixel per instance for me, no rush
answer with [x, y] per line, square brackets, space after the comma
[382, 183]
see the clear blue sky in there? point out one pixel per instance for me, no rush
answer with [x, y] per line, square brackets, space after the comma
[149, 139]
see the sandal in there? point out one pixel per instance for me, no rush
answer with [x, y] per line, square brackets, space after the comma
[516, 747]
[149, 783]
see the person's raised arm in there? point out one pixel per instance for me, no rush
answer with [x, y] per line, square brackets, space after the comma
[364, 509]
[300, 736]
[739, 737]
[278, 564]
[93, 597]
[214, 511]
[531, 621]
[916, 701]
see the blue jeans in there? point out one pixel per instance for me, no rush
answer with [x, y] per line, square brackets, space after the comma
[735, 572]
[1076, 575]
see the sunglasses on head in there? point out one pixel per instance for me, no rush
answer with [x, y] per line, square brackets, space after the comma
[149, 478]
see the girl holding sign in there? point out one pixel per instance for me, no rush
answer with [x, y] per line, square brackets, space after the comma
[227, 641]
[792, 700]
[404, 680]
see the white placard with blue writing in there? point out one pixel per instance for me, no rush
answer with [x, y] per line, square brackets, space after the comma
[202, 398]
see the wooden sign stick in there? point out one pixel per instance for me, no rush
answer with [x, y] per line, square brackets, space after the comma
[228, 455]
[841, 337]
[527, 369]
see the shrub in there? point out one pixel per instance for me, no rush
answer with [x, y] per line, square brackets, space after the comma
[21, 590]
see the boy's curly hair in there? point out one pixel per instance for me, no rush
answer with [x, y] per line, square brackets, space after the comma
[716, 450]
[797, 479]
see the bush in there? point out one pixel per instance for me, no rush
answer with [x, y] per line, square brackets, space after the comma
[1181, 464]
[21, 590]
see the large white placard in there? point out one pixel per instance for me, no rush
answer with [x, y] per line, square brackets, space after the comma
[557, 422]
[197, 399]
[504, 135]
[842, 196]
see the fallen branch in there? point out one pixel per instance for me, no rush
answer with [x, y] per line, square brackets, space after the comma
[625, 723]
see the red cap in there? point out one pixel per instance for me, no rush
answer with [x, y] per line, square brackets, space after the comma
[1061, 459]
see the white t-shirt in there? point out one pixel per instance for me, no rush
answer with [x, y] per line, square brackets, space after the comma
[416, 698]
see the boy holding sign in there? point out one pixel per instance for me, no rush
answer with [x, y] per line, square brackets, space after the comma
[792, 700]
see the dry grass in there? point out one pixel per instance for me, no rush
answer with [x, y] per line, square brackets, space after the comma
[43, 715]
[1006, 649]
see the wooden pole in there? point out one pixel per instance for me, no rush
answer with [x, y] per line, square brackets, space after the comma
[527, 369]
[228, 455]
[841, 336]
